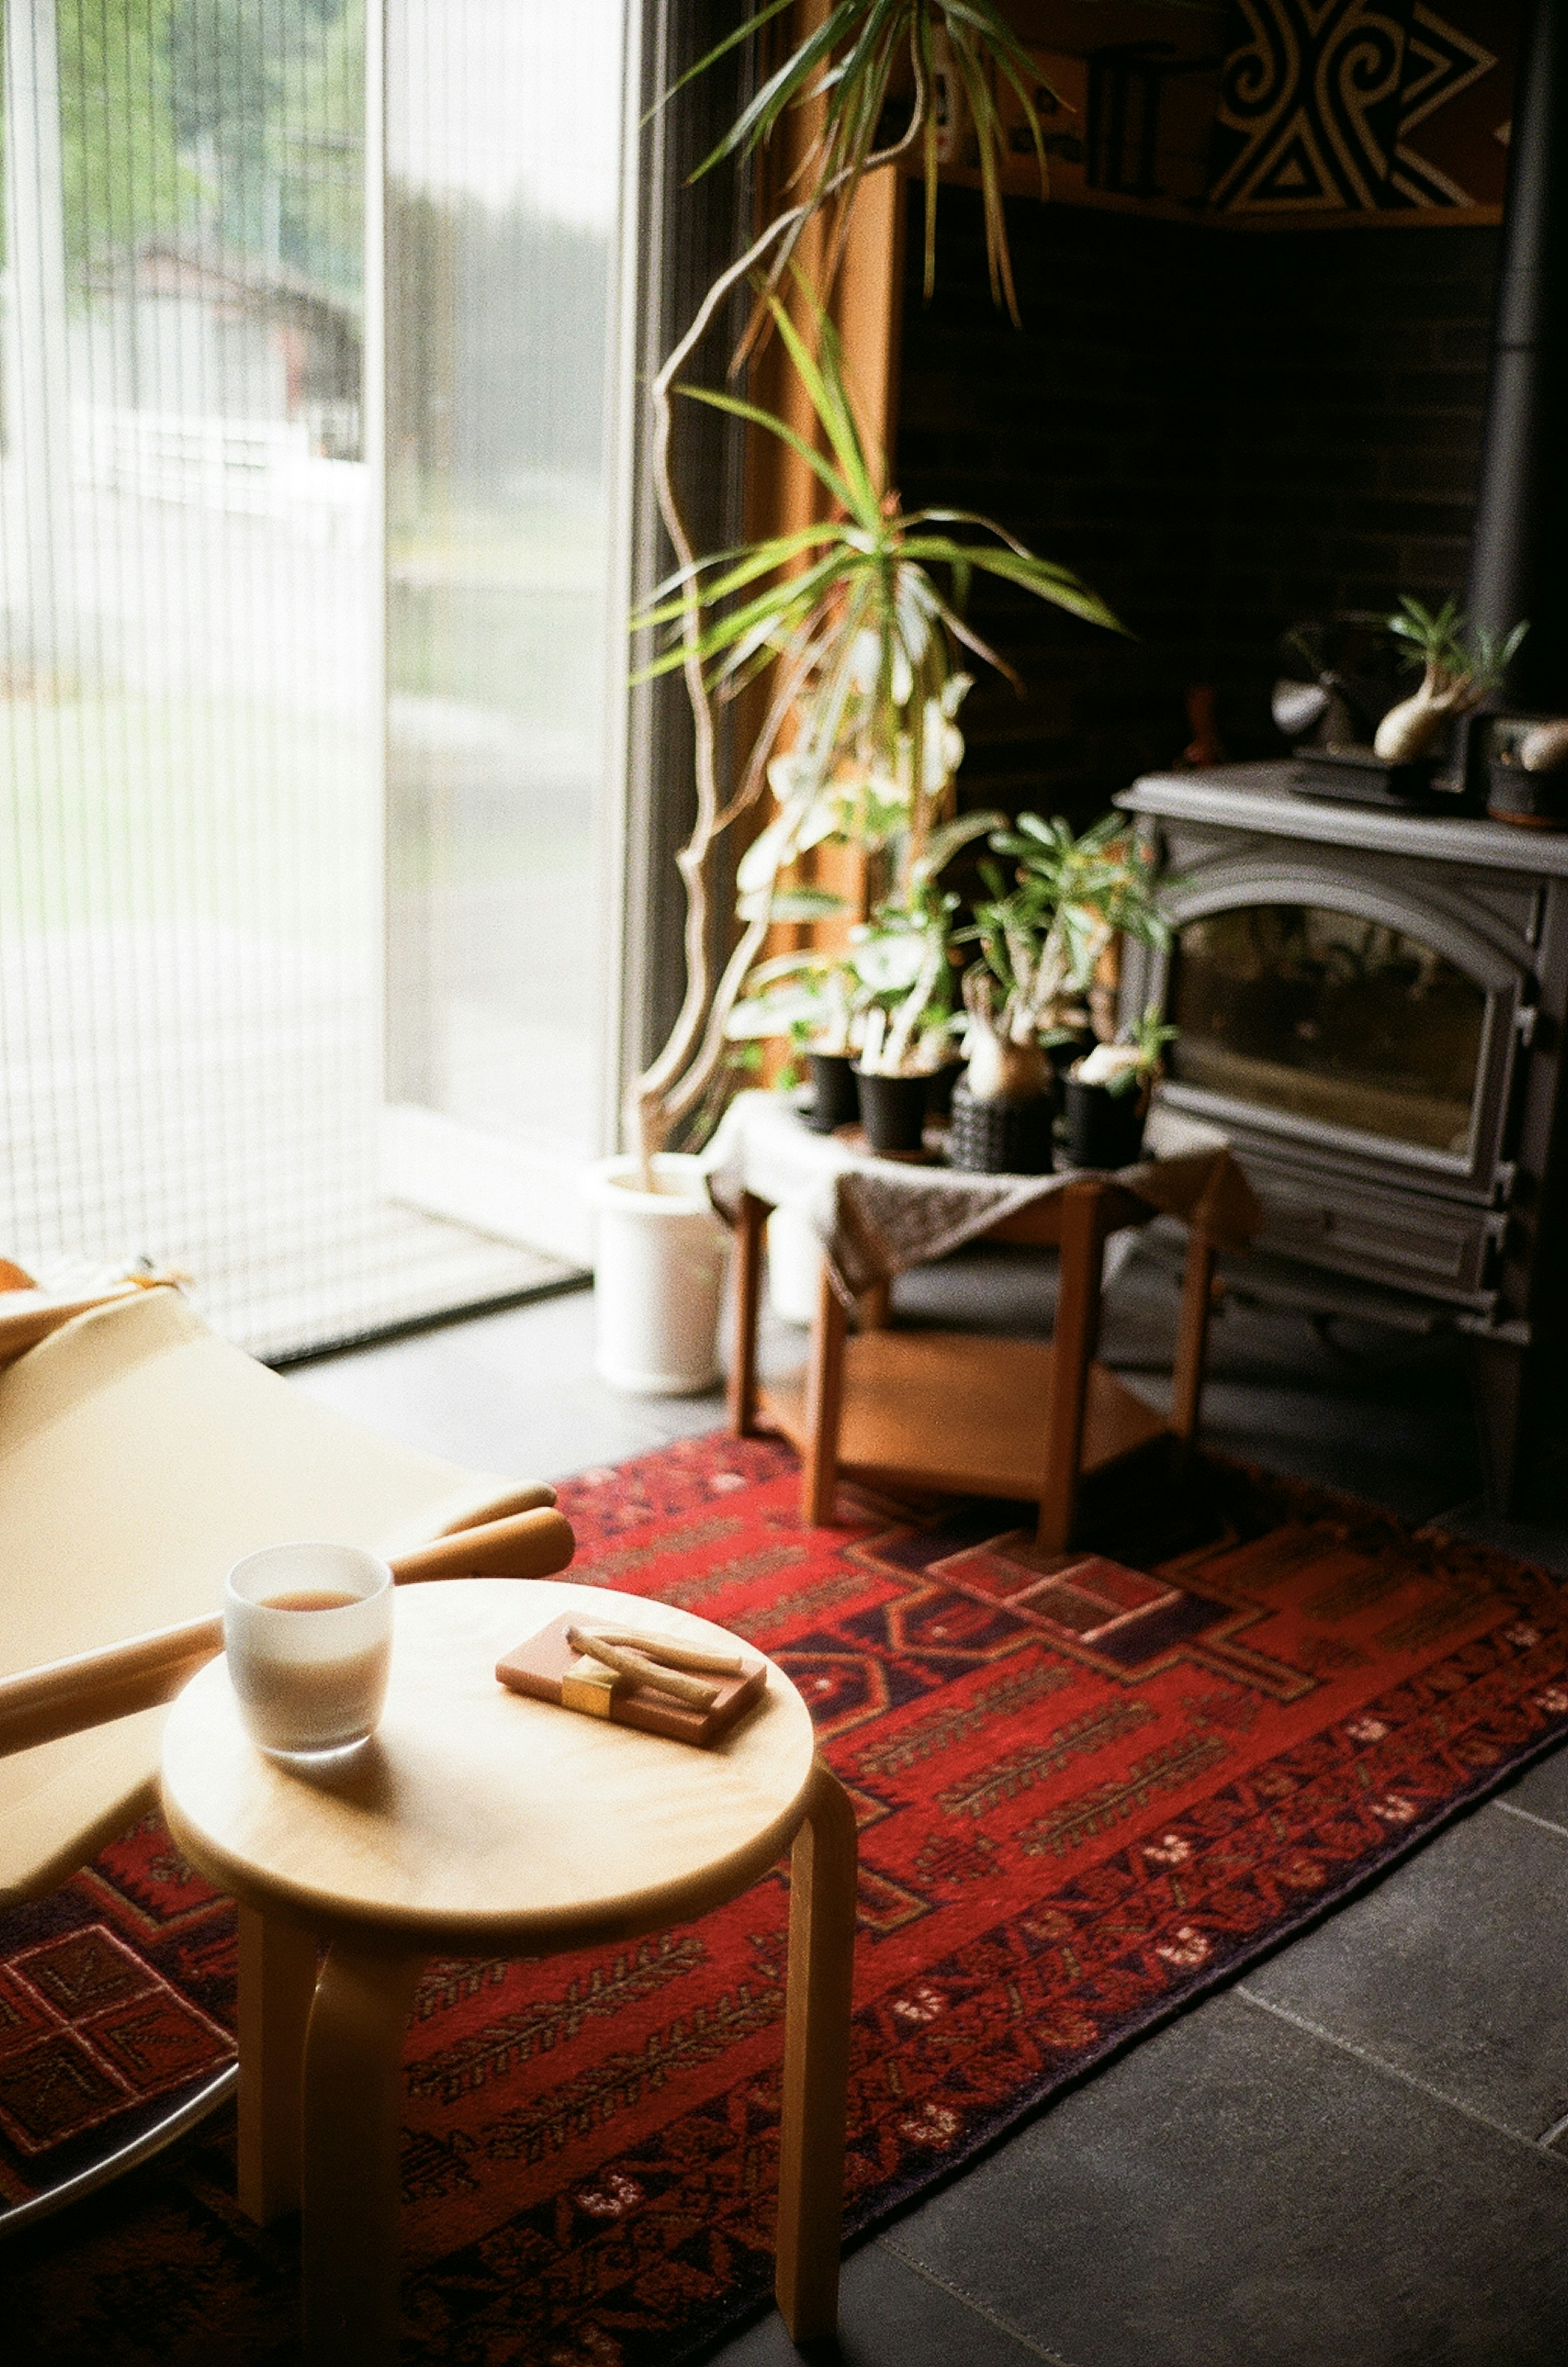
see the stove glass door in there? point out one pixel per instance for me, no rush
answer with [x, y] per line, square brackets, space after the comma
[1330, 1018]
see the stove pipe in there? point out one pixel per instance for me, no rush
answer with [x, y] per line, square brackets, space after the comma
[1518, 555]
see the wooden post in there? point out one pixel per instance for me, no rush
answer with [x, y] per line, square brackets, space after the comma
[277, 1980]
[1192, 1338]
[865, 303]
[817, 2062]
[748, 1228]
[875, 1306]
[824, 1404]
[354, 2095]
[1072, 1351]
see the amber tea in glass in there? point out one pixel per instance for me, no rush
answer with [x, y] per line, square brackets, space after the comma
[308, 1629]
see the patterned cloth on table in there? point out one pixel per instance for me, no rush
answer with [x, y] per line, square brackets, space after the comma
[878, 1216]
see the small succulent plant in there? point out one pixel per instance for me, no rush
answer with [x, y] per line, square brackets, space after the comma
[1459, 664]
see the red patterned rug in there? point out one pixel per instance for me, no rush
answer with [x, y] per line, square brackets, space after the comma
[1087, 1794]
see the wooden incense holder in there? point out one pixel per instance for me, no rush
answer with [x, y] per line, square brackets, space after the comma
[549, 1668]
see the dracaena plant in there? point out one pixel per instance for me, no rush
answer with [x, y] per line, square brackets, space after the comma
[861, 54]
[857, 621]
[849, 70]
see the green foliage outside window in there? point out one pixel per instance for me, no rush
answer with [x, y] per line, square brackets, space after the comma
[187, 119]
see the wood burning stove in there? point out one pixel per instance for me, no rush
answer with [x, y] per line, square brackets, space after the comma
[1372, 1005]
[1373, 1002]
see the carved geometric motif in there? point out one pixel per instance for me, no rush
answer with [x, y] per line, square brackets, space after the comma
[1320, 101]
[1441, 63]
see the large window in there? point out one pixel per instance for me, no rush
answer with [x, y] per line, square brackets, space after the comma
[211, 895]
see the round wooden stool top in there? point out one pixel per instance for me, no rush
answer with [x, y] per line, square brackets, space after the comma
[474, 1818]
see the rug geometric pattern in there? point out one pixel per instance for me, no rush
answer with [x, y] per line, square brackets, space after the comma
[1087, 1789]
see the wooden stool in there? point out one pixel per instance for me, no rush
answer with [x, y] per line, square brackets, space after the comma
[967, 1412]
[478, 1823]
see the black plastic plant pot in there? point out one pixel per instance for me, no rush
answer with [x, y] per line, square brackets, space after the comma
[893, 1111]
[1000, 1137]
[1534, 801]
[1105, 1129]
[834, 1100]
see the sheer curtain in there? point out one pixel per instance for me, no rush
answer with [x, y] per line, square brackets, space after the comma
[201, 993]
[507, 652]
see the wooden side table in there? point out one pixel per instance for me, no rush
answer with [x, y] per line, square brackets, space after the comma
[967, 1412]
[478, 1823]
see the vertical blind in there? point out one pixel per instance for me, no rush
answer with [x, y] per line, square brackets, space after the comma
[196, 965]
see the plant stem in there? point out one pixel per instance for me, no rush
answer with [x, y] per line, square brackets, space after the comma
[677, 1078]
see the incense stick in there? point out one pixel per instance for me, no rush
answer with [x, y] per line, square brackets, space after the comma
[672, 1655]
[645, 1672]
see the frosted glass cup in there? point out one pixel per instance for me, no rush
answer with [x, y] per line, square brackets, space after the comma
[308, 1629]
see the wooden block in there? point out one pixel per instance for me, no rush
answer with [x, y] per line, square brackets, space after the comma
[548, 1668]
[588, 1685]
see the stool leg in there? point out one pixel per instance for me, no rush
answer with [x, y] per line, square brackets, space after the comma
[817, 2062]
[353, 2108]
[277, 1979]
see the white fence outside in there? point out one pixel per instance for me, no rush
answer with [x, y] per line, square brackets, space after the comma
[243, 468]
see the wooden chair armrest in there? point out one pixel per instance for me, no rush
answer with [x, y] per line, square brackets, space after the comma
[94, 1688]
[519, 1500]
[526, 1544]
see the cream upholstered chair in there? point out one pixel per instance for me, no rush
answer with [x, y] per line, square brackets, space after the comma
[139, 1455]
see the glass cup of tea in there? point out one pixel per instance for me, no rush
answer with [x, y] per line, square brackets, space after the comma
[308, 1629]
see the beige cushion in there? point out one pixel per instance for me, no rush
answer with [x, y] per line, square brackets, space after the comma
[140, 1455]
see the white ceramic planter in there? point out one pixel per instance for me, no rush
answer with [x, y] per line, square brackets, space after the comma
[659, 1276]
[795, 1267]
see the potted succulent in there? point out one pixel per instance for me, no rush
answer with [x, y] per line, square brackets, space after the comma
[1045, 943]
[891, 990]
[1459, 666]
[817, 999]
[1109, 1092]
[1015, 999]
[902, 956]
[905, 962]
[1526, 765]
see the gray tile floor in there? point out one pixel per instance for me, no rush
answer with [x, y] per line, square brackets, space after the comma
[1357, 2156]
